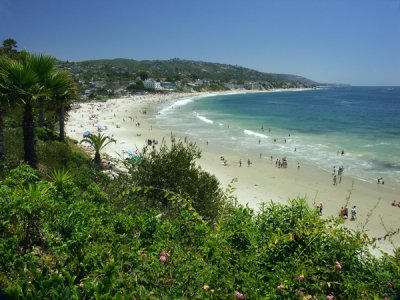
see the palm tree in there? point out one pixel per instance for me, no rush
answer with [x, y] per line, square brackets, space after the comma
[64, 91]
[44, 67]
[98, 142]
[25, 81]
[20, 84]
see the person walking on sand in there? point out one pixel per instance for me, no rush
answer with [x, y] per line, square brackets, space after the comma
[320, 209]
[248, 162]
[334, 180]
[240, 162]
[353, 213]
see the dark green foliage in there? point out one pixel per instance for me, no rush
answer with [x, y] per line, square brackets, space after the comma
[85, 245]
[45, 134]
[173, 168]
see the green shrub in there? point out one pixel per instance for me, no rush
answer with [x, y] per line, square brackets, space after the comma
[173, 168]
[90, 244]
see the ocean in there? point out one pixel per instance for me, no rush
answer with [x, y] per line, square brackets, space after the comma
[309, 126]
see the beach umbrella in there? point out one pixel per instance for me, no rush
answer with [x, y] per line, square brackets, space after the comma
[135, 160]
[134, 157]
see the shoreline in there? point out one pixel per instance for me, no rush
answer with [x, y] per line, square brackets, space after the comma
[261, 182]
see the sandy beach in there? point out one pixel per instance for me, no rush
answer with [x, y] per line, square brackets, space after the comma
[126, 120]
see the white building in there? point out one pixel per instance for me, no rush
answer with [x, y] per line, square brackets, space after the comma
[152, 84]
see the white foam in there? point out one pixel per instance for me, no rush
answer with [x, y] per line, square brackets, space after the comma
[204, 119]
[260, 135]
[181, 102]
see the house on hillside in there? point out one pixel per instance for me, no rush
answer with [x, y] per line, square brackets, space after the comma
[152, 84]
[169, 85]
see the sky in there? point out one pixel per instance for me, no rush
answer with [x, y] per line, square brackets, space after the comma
[353, 42]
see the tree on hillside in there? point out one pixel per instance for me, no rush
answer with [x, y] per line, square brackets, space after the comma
[98, 142]
[143, 75]
[10, 44]
[9, 48]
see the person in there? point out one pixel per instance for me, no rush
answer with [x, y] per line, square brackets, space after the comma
[298, 165]
[346, 213]
[341, 212]
[248, 162]
[353, 213]
[334, 170]
[320, 209]
[334, 180]
[394, 203]
[240, 162]
[340, 171]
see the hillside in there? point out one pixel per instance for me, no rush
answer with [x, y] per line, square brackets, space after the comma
[117, 74]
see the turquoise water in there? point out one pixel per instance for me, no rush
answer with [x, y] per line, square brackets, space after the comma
[310, 126]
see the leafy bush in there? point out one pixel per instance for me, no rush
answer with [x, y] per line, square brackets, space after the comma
[173, 168]
[94, 244]
[45, 134]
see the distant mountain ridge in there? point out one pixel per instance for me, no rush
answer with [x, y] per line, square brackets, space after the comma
[180, 68]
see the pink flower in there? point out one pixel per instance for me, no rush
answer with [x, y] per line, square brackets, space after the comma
[239, 295]
[389, 285]
[301, 294]
[163, 258]
[338, 266]
[205, 287]
[329, 297]
[300, 277]
[280, 287]
[163, 253]
[143, 255]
